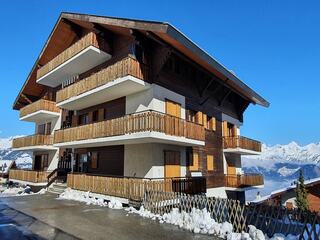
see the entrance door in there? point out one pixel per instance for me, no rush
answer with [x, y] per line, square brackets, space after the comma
[37, 163]
[171, 164]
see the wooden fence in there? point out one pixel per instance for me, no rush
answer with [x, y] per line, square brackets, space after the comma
[41, 104]
[269, 219]
[133, 188]
[88, 40]
[134, 123]
[33, 140]
[241, 142]
[28, 175]
[124, 67]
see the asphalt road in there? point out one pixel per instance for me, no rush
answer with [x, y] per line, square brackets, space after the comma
[45, 217]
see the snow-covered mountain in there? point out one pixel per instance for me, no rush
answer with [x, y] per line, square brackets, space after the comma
[22, 159]
[280, 164]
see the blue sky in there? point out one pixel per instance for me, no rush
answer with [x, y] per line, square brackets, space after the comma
[272, 46]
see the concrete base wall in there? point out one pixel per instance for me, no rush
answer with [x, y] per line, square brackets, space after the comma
[147, 160]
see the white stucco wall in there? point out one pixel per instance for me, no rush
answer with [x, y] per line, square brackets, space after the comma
[147, 160]
[55, 123]
[153, 99]
[217, 192]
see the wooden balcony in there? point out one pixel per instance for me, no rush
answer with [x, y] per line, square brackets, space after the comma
[80, 57]
[149, 126]
[241, 145]
[28, 176]
[39, 110]
[37, 141]
[133, 188]
[78, 92]
[234, 181]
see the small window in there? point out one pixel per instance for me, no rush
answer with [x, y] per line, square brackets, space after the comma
[210, 163]
[83, 119]
[41, 129]
[95, 116]
[94, 160]
[193, 161]
[191, 115]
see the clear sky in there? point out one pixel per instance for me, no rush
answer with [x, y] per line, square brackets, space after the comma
[274, 47]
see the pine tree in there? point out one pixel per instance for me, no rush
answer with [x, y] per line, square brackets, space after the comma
[301, 194]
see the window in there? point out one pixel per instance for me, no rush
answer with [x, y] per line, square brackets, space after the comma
[210, 163]
[95, 116]
[83, 119]
[211, 123]
[48, 128]
[41, 129]
[191, 115]
[94, 160]
[193, 161]
[45, 161]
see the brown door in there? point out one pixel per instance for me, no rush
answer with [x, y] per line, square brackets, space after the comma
[171, 164]
[37, 163]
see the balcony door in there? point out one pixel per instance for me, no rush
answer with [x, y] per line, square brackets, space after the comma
[172, 164]
[229, 129]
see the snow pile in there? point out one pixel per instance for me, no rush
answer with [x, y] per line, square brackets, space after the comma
[18, 191]
[200, 221]
[89, 198]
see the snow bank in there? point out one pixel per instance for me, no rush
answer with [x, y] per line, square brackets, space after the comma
[89, 199]
[200, 221]
[18, 191]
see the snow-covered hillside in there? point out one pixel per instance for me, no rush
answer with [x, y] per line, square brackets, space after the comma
[280, 164]
[23, 159]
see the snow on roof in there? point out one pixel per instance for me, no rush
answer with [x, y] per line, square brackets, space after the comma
[279, 191]
[5, 165]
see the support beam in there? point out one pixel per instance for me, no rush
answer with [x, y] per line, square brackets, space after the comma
[26, 98]
[224, 98]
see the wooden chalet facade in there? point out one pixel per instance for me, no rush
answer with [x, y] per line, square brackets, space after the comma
[120, 97]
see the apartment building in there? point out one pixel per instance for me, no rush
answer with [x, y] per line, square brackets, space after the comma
[131, 100]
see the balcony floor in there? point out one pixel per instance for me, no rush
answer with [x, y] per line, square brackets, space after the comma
[36, 148]
[134, 138]
[241, 151]
[41, 115]
[81, 62]
[118, 88]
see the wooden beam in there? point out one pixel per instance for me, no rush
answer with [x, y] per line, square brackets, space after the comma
[206, 87]
[224, 98]
[160, 58]
[26, 98]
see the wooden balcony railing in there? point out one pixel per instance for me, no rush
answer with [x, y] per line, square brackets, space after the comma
[33, 140]
[132, 187]
[133, 123]
[41, 104]
[236, 181]
[88, 40]
[124, 67]
[241, 142]
[28, 175]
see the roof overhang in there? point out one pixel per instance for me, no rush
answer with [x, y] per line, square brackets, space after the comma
[170, 35]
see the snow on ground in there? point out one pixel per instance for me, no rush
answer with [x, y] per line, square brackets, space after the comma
[197, 221]
[17, 191]
[89, 199]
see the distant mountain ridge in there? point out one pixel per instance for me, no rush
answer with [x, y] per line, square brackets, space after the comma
[22, 159]
[280, 164]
